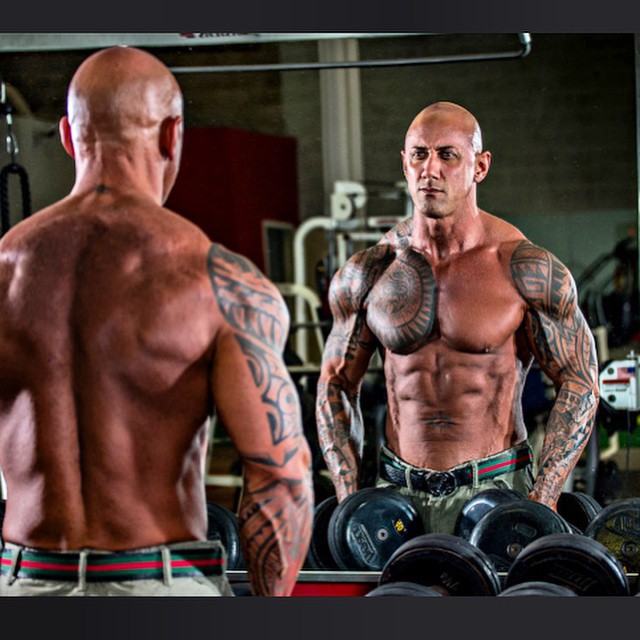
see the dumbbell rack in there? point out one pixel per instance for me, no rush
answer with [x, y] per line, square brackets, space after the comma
[350, 583]
[321, 583]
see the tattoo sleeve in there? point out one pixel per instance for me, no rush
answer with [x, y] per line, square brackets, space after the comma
[563, 345]
[348, 351]
[259, 406]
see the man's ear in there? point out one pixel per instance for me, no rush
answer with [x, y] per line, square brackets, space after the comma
[65, 136]
[171, 137]
[404, 166]
[483, 162]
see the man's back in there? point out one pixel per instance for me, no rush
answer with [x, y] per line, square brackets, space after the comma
[106, 339]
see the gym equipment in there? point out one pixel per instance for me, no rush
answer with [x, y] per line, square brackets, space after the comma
[404, 588]
[617, 527]
[444, 563]
[578, 509]
[578, 562]
[11, 168]
[319, 556]
[369, 525]
[480, 504]
[537, 588]
[223, 525]
[504, 531]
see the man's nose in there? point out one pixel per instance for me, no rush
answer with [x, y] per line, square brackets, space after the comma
[431, 166]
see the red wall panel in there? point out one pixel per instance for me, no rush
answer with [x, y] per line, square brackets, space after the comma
[230, 180]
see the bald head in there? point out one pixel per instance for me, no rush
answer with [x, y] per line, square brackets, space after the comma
[120, 93]
[455, 117]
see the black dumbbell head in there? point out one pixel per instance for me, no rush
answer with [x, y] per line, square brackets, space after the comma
[369, 525]
[444, 562]
[575, 561]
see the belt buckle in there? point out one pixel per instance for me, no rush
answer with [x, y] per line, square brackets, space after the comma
[440, 483]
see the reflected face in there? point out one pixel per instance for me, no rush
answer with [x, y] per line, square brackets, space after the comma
[441, 164]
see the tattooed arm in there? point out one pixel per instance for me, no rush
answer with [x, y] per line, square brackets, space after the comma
[258, 404]
[347, 353]
[563, 345]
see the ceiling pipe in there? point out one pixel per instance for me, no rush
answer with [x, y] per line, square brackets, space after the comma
[521, 52]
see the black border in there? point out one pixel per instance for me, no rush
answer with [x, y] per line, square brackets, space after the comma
[249, 16]
[320, 618]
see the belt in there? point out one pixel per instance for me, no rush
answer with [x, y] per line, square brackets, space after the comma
[101, 567]
[442, 483]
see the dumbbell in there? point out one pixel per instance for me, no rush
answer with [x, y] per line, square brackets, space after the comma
[438, 564]
[575, 562]
[537, 588]
[319, 556]
[504, 531]
[480, 504]
[369, 525]
[222, 524]
[576, 507]
[361, 532]
[617, 527]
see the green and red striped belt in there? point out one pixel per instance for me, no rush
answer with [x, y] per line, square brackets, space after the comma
[117, 566]
[442, 483]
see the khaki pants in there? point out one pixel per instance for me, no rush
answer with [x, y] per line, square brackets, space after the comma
[202, 586]
[440, 513]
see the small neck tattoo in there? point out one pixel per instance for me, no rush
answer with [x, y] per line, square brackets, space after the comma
[102, 188]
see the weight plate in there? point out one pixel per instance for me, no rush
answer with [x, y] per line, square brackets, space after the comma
[443, 561]
[404, 589]
[508, 528]
[319, 556]
[480, 504]
[583, 564]
[578, 508]
[369, 525]
[223, 525]
[617, 527]
[537, 588]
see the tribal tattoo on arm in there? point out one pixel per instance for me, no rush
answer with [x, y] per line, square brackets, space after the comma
[347, 353]
[563, 345]
[276, 509]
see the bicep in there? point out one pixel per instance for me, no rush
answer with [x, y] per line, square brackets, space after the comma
[255, 399]
[251, 387]
[557, 331]
[350, 344]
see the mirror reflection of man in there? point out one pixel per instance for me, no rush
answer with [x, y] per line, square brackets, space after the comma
[461, 304]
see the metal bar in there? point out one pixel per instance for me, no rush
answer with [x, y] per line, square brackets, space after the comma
[524, 50]
[74, 41]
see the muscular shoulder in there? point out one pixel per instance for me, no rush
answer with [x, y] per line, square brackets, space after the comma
[542, 279]
[353, 281]
[248, 301]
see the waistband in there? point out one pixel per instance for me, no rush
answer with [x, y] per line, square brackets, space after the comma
[442, 483]
[162, 562]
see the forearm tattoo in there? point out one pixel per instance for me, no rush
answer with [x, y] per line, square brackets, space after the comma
[563, 345]
[275, 518]
[340, 433]
[347, 353]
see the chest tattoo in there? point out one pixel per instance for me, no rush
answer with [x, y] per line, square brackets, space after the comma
[401, 305]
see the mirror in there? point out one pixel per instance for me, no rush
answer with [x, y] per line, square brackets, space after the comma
[558, 117]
